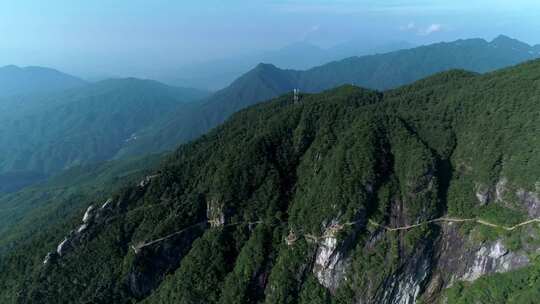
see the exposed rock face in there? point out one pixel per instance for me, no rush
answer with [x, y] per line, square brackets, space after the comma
[463, 259]
[63, 246]
[487, 194]
[48, 258]
[406, 287]
[492, 258]
[215, 213]
[93, 217]
[82, 228]
[331, 260]
[291, 238]
[500, 189]
[483, 194]
[451, 257]
[75, 236]
[329, 268]
[531, 201]
[146, 180]
[408, 283]
[107, 204]
[88, 214]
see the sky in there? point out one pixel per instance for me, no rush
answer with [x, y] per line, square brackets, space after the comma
[134, 37]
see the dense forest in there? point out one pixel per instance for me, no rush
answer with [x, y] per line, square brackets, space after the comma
[295, 202]
[63, 122]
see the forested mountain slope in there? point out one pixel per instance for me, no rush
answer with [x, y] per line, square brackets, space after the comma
[82, 126]
[38, 207]
[381, 71]
[296, 203]
[262, 83]
[393, 69]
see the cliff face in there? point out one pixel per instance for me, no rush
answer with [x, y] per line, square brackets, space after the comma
[349, 196]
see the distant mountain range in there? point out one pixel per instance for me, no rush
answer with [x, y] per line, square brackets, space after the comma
[32, 80]
[217, 74]
[384, 71]
[397, 68]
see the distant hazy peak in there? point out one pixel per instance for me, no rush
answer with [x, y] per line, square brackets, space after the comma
[10, 67]
[137, 84]
[505, 41]
[264, 70]
[265, 67]
[15, 80]
[30, 69]
[503, 38]
[127, 81]
[300, 45]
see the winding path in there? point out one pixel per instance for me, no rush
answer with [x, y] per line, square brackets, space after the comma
[140, 246]
[456, 220]
[335, 228]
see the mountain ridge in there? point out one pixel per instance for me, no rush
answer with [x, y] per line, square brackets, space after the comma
[16, 80]
[379, 72]
[217, 74]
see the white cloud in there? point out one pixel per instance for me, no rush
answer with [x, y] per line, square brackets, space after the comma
[408, 27]
[433, 28]
[421, 31]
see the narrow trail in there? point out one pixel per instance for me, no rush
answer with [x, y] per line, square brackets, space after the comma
[333, 229]
[457, 220]
[536, 220]
[140, 246]
[408, 227]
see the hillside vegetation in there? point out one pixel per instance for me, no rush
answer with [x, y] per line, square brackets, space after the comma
[274, 206]
[82, 126]
[35, 208]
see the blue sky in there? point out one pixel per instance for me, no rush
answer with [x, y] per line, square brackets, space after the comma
[133, 36]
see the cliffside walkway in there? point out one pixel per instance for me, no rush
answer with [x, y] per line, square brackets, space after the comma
[140, 246]
[333, 229]
[456, 220]
[136, 248]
